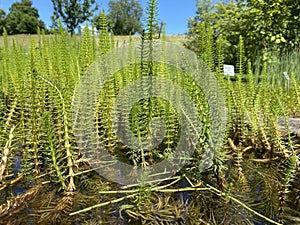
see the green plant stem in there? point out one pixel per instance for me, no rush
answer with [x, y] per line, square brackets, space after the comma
[220, 193]
[102, 204]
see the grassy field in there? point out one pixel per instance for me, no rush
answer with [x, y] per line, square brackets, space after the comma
[25, 39]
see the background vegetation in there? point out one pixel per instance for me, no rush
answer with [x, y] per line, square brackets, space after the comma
[72, 13]
[124, 16]
[21, 19]
[264, 26]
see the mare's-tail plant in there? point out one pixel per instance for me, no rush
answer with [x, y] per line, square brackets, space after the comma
[290, 170]
[104, 40]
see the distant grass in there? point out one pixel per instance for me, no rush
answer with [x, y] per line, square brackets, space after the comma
[24, 39]
[176, 39]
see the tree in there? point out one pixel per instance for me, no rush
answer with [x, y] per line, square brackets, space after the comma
[274, 24]
[263, 24]
[73, 12]
[2, 20]
[124, 17]
[23, 18]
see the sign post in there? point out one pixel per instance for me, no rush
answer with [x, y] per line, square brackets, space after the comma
[287, 77]
[228, 70]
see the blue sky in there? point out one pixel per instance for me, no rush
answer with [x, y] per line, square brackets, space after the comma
[174, 12]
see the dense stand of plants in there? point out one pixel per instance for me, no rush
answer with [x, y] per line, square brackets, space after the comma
[45, 179]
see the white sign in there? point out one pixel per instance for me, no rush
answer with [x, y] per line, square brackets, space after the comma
[285, 74]
[228, 70]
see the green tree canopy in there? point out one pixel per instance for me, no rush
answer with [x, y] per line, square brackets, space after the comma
[23, 18]
[263, 24]
[73, 12]
[2, 20]
[125, 16]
